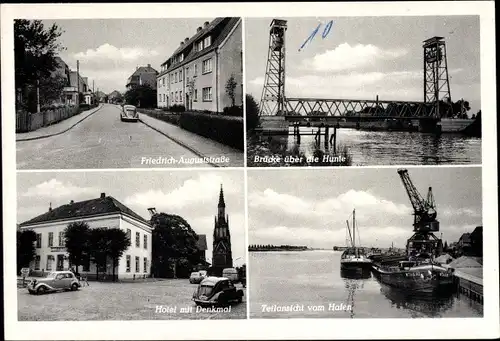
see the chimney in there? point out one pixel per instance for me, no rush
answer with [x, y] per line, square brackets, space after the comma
[149, 65]
[186, 40]
[198, 29]
[103, 195]
[71, 202]
[152, 211]
[205, 24]
[136, 68]
[182, 42]
[50, 207]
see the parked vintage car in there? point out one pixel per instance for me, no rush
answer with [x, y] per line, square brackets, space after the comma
[129, 113]
[214, 291]
[231, 274]
[55, 281]
[197, 276]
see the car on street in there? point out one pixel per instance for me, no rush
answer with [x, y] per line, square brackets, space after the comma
[129, 113]
[55, 281]
[197, 276]
[230, 273]
[217, 291]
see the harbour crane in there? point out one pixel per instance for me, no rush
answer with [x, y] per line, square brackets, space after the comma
[424, 221]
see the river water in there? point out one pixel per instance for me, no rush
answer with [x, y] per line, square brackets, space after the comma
[399, 148]
[312, 279]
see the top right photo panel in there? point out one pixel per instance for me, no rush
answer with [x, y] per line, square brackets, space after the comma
[363, 91]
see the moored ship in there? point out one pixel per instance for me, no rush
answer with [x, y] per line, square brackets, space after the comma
[354, 259]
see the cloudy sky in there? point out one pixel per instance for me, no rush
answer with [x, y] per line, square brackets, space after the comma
[310, 207]
[109, 50]
[193, 195]
[361, 57]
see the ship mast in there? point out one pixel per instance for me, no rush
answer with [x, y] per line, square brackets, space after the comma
[354, 232]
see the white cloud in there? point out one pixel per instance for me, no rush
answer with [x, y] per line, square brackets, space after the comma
[347, 57]
[344, 202]
[191, 192]
[55, 188]
[110, 52]
[454, 212]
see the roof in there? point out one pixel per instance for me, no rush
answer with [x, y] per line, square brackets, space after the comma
[465, 262]
[143, 69]
[219, 28]
[465, 237]
[478, 232]
[86, 208]
[201, 244]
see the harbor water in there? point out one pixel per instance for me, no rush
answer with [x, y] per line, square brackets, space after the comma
[306, 284]
[397, 148]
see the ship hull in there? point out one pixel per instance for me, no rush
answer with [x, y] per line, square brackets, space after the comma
[426, 279]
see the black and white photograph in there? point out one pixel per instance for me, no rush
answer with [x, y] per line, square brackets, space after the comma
[139, 246]
[358, 244]
[129, 93]
[356, 91]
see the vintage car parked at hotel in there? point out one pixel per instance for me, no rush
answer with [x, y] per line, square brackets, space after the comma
[197, 276]
[55, 281]
[217, 291]
[129, 113]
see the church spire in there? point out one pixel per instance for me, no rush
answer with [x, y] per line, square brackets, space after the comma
[221, 198]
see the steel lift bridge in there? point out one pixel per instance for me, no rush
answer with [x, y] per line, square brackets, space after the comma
[339, 113]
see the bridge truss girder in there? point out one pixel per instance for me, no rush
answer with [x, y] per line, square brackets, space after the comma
[358, 107]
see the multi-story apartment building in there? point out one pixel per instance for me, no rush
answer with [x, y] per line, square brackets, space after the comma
[196, 74]
[104, 211]
[142, 75]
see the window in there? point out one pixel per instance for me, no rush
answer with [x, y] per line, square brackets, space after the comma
[195, 70]
[37, 262]
[199, 45]
[181, 57]
[129, 234]
[159, 98]
[172, 98]
[163, 81]
[38, 240]
[137, 264]
[207, 42]
[137, 239]
[171, 78]
[50, 260]
[51, 239]
[145, 264]
[180, 76]
[163, 97]
[145, 241]
[195, 95]
[128, 263]
[61, 238]
[175, 76]
[180, 96]
[206, 67]
[207, 94]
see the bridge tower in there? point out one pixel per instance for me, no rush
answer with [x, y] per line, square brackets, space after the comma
[272, 101]
[436, 81]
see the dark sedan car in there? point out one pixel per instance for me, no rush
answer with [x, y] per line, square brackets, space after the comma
[129, 113]
[217, 291]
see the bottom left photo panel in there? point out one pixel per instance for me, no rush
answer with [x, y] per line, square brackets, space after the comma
[127, 245]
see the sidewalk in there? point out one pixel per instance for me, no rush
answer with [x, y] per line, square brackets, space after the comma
[57, 128]
[200, 145]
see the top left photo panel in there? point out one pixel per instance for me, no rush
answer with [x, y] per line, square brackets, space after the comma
[129, 93]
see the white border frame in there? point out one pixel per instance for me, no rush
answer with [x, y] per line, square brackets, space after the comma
[486, 327]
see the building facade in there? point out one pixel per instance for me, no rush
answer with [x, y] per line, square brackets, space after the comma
[142, 75]
[222, 256]
[196, 74]
[105, 212]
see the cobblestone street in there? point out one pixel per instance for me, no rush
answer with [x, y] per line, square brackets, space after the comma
[121, 301]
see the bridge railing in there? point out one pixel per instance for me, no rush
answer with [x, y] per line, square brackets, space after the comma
[358, 108]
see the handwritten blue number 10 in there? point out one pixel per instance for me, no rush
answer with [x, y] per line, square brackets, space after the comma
[325, 33]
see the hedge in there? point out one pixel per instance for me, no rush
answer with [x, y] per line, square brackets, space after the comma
[161, 115]
[224, 129]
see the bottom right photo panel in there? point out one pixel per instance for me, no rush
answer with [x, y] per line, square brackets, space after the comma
[365, 242]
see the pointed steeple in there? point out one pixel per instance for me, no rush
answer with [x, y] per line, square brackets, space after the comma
[221, 198]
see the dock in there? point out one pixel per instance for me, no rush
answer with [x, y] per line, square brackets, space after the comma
[468, 275]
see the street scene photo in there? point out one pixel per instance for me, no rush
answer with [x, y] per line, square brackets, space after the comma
[366, 243]
[356, 91]
[148, 245]
[129, 93]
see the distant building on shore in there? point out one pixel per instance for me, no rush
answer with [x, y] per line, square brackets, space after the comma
[196, 74]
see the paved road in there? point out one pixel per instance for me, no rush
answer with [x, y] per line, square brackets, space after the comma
[121, 301]
[101, 141]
